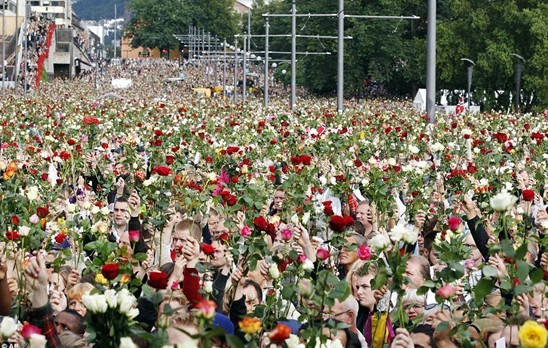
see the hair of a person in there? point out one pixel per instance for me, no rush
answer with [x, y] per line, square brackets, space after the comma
[412, 296]
[358, 228]
[429, 240]
[354, 271]
[350, 303]
[424, 265]
[192, 226]
[359, 238]
[69, 339]
[81, 327]
[256, 286]
[428, 330]
[79, 290]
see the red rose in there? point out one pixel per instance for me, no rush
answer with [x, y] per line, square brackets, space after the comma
[175, 148]
[271, 231]
[162, 171]
[327, 208]
[296, 160]
[90, 120]
[364, 253]
[71, 141]
[454, 223]
[29, 329]
[110, 270]
[208, 249]
[14, 220]
[339, 223]
[209, 159]
[12, 235]
[42, 212]
[260, 223]
[170, 159]
[528, 195]
[157, 280]
[305, 159]
[358, 163]
[158, 132]
[60, 238]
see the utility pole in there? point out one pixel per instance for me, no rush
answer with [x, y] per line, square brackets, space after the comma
[293, 99]
[115, 25]
[340, 59]
[431, 62]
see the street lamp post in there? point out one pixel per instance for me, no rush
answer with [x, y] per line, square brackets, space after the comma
[469, 70]
[518, 67]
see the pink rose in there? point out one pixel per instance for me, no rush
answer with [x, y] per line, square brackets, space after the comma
[446, 291]
[245, 231]
[364, 253]
[286, 234]
[322, 254]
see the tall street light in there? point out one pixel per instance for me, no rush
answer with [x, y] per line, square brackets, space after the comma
[470, 70]
[4, 3]
[517, 77]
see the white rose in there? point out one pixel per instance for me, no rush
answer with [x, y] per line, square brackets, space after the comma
[71, 207]
[37, 341]
[24, 231]
[396, 233]
[410, 236]
[147, 182]
[413, 149]
[95, 210]
[308, 265]
[127, 342]
[3, 165]
[8, 327]
[293, 342]
[87, 205]
[110, 295]
[208, 286]
[90, 302]
[273, 271]
[503, 201]
[392, 161]
[380, 242]
[211, 176]
[544, 224]
[105, 211]
[306, 217]
[32, 193]
[132, 313]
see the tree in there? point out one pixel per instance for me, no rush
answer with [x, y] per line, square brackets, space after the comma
[153, 24]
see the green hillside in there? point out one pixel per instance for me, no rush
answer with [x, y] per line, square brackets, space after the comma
[98, 9]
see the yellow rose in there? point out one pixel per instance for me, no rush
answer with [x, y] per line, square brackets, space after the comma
[125, 278]
[100, 279]
[250, 325]
[533, 335]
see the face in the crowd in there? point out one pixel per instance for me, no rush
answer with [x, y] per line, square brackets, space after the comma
[421, 340]
[216, 224]
[413, 272]
[78, 306]
[363, 291]
[476, 254]
[361, 213]
[420, 243]
[537, 302]
[278, 199]
[67, 322]
[433, 259]
[56, 282]
[219, 257]
[346, 256]
[125, 244]
[251, 298]
[178, 239]
[338, 312]
[121, 213]
[413, 309]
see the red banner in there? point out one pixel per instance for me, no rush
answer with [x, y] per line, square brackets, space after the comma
[44, 54]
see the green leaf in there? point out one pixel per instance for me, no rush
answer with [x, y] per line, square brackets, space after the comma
[522, 270]
[521, 251]
[234, 341]
[483, 288]
[537, 275]
[490, 271]
[508, 249]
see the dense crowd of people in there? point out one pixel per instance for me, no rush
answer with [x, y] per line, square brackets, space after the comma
[151, 216]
